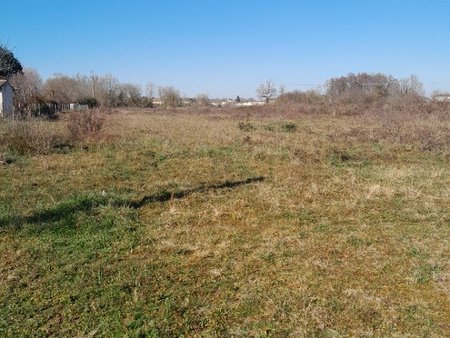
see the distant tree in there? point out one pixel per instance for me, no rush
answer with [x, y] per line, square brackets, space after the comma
[203, 99]
[108, 91]
[131, 94]
[149, 94]
[238, 99]
[362, 87]
[9, 64]
[27, 91]
[85, 87]
[150, 90]
[411, 85]
[369, 87]
[170, 97]
[93, 82]
[61, 88]
[266, 90]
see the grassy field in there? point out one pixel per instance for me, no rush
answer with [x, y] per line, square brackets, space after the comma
[181, 224]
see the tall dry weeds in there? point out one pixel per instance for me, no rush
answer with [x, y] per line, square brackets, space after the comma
[32, 137]
[425, 132]
[86, 125]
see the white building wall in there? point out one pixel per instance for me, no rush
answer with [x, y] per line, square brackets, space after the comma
[442, 98]
[6, 101]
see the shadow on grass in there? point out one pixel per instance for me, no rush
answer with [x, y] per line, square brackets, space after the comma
[86, 204]
[56, 213]
[166, 195]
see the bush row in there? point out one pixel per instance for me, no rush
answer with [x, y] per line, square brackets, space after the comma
[37, 136]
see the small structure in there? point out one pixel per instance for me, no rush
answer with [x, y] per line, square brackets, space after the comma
[6, 99]
[78, 107]
[444, 97]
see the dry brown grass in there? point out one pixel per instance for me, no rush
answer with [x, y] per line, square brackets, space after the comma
[346, 236]
[31, 137]
[43, 137]
[426, 132]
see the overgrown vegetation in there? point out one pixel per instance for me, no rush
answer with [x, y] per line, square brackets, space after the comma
[31, 137]
[86, 124]
[43, 137]
[186, 224]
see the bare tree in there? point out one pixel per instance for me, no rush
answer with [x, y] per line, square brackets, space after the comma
[108, 90]
[362, 87]
[131, 94]
[411, 85]
[84, 87]
[62, 88]
[92, 90]
[203, 99]
[170, 97]
[150, 90]
[27, 90]
[94, 79]
[266, 90]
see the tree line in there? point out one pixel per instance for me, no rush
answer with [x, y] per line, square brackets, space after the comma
[92, 90]
[31, 92]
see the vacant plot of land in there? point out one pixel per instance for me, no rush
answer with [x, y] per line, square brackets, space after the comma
[177, 224]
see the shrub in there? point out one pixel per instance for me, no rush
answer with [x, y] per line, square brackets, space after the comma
[86, 124]
[299, 97]
[32, 137]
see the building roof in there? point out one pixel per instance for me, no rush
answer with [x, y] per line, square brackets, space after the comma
[2, 82]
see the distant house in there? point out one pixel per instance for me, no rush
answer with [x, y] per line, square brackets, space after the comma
[442, 97]
[249, 103]
[6, 99]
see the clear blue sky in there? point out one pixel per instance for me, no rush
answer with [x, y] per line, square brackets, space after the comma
[227, 48]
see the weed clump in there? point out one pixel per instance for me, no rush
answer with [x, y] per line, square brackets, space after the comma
[289, 127]
[86, 125]
[32, 137]
[39, 137]
[246, 126]
[8, 158]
